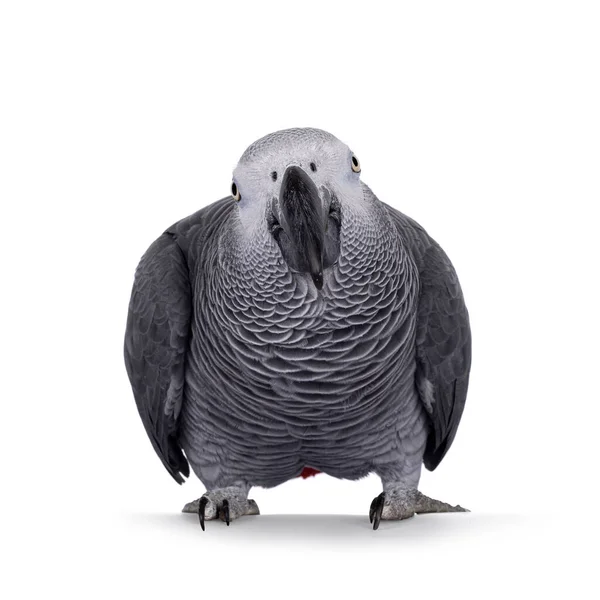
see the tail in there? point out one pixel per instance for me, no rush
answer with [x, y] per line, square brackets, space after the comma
[308, 472]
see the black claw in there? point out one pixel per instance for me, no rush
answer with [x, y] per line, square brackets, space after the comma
[201, 508]
[376, 510]
[225, 509]
[372, 509]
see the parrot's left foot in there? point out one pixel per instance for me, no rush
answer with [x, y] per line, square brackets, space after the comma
[402, 503]
[226, 504]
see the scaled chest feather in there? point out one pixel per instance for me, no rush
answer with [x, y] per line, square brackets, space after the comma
[278, 342]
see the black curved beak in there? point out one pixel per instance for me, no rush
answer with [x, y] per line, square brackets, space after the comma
[300, 206]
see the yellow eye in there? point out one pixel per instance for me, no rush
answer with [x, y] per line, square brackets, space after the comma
[235, 192]
[355, 164]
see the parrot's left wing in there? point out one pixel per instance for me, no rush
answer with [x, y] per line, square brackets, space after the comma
[443, 341]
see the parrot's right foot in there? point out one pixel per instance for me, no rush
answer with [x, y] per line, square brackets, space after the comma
[401, 503]
[226, 504]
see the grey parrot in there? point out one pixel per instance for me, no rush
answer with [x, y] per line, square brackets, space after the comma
[299, 325]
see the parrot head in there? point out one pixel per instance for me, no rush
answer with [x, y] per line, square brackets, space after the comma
[294, 187]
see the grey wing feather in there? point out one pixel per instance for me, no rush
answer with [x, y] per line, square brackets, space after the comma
[156, 342]
[443, 341]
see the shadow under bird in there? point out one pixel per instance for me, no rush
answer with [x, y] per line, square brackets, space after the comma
[298, 325]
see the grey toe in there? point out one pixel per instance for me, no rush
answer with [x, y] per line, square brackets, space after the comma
[191, 507]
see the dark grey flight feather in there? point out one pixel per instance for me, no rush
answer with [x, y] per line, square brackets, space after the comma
[158, 330]
[443, 339]
[156, 341]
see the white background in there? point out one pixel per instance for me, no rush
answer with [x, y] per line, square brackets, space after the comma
[478, 119]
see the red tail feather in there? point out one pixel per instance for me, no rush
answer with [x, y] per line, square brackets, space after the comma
[308, 472]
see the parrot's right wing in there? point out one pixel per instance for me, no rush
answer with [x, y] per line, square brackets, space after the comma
[156, 340]
[443, 340]
[159, 327]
